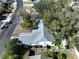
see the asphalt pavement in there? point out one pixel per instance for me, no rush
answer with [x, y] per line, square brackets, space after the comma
[6, 33]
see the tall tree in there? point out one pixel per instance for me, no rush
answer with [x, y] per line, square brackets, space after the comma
[60, 19]
[15, 49]
[11, 47]
[26, 21]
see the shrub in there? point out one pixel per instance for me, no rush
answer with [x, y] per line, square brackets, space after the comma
[14, 50]
[47, 53]
[55, 55]
[14, 57]
[40, 46]
[35, 46]
[48, 47]
[2, 9]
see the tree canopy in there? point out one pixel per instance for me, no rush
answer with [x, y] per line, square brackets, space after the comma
[16, 49]
[59, 18]
[26, 21]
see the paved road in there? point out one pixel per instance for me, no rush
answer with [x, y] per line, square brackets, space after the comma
[6, 33]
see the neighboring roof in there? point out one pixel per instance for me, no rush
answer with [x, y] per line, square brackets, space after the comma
[38, 35]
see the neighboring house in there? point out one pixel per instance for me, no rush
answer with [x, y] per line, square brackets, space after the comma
[40, 35]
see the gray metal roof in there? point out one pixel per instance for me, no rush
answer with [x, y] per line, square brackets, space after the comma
[41, 34]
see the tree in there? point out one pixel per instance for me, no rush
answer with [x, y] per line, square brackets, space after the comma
[26, 23]
[6, 7]
[11, 47]
[14, 57]
[2, 9]
[60, 19]
[48, 5]
[76, 41]
[59, 55]
[14, 50]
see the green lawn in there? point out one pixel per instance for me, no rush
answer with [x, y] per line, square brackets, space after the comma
[5, 56]
[26, 55]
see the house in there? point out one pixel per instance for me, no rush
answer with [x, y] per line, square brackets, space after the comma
[39, 35]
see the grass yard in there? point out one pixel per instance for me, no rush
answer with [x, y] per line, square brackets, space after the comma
[26, 55]
[5, 56]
